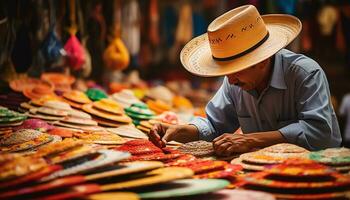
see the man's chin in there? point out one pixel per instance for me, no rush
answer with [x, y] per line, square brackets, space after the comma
[246, 88]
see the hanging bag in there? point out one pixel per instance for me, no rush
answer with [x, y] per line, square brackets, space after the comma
[73, 47]
[116, 55]
[52, 48]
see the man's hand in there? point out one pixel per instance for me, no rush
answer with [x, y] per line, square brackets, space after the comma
[228, 143]
[160, 134]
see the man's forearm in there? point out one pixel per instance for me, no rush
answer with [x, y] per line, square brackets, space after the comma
[182, 133]
[264, 139]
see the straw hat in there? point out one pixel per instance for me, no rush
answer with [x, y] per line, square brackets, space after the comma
[237, 40]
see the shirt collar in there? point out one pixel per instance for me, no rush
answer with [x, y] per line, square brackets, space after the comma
[277, 78]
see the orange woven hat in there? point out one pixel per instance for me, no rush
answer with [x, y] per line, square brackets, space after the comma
[237, 40]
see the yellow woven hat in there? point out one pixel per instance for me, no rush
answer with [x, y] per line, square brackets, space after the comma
[237, 40]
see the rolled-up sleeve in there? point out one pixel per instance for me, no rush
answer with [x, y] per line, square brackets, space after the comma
[313, 130]
[221, 115]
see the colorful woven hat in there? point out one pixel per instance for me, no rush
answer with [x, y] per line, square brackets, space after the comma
[108, 105]
[96, 94]
[57, 105]
[125, 98]
[58, 78]
[77, 96]
[118, 118]
[38, 91]
[237, 40]
[19, 85]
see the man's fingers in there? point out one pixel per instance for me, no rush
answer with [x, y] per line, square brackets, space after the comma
[220, 142]
[156, 133]
[169, 135]
[222, 148]
[230, 150]
[219, 138]
[154, 138]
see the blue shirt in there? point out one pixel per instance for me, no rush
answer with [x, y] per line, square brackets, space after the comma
[296, 103]
[344, 110]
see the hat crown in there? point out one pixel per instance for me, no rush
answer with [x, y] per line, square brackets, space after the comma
[236, 32]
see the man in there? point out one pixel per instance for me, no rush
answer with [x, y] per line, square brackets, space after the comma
[270, 94]
[344, 111]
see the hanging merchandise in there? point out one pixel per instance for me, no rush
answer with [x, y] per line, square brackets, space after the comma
[154, 23]
[74, 49]
[327, 18]
[131, 34]
[87, 66]
[41, 27]
[184, 30]
[287, 6]
[306, 41]
[52, 48]
[169, 25]
[199, 24]
[96, 30]
[156, 53]
[116, 55]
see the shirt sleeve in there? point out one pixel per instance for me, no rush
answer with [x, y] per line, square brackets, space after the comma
[313, 130]
[221, 115]
[345, 103]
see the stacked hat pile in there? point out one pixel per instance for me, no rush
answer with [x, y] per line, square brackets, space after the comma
[23, 139]
[32, 88]
[39, 125]
[100, 137]
[139, 112]
[29, 172]
[12, 100]
[76, 98]
[75, 120]
[61, 82]
[62, 115]
[107, 112]
[337, 158]
[158, 106]
[299, 179]
[182, 103]
[36, 124]
[36, 103]
[15, 168]
[129, 131]
[166, 118]
[197, 148]
[161, 93]
[8, 119]
[50, 111]
[96, 94]
[144, 150]
[125, 98]
[275, 154]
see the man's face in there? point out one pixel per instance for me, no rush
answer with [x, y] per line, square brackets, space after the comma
[251, 78]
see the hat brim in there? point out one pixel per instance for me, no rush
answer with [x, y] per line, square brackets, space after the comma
[196, 56]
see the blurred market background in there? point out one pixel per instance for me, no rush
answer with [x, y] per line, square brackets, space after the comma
[35, 36]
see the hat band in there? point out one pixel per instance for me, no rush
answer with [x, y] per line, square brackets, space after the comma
[244, 52]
